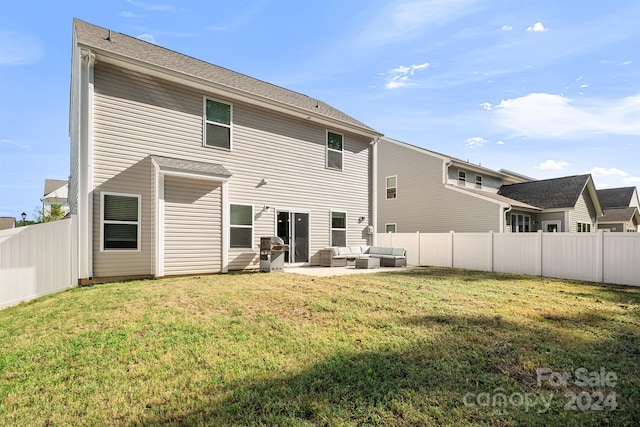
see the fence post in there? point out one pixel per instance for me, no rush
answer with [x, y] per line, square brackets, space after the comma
[600, 256]
[491, 250]
[451, 246]
[539, 254]
[419, 248]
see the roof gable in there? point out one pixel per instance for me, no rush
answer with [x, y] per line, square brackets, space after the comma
[111, 43]
[556, 193]
[616, 197]
[51, 185]
[620, 215]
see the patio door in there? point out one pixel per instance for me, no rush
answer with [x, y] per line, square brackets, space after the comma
[293, 228]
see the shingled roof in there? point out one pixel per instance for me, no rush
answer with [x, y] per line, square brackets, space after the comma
[106, 42]
[51, 185]
[618, 214]
[615, 197]
[556, 193]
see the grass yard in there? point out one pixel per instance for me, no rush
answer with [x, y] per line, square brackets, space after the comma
[424, 347]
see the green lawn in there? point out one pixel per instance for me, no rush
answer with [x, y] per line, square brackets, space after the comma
[428, 347]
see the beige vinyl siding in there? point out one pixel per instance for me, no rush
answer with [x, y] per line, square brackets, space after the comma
[489, 183]
[193, 226]
[424, 203]
[584, 212]
[137, 116]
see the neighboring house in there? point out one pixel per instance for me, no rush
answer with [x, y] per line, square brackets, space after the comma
[179, 166]
[56, 192]
[620, 206]
[420, 190]
[7, 222]
[567, 204]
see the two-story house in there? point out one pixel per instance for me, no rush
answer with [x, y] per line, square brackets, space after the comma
[179, 166]
[421, 190]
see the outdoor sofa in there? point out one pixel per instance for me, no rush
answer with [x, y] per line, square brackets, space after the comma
[340, 256]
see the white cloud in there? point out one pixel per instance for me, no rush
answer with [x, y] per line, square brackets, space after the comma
[631, 180]
[147, 37]
[553, 165]
[507, 28]
[582, 86]
[602, 172]
[487, 106]
[157, 7]
[500, 143]
[19, 49]
[543, 115]
[537, 28]
[127, 14]
[625, 63]
[10, 143]
[405, 20]
[399, 77]
[475, 142]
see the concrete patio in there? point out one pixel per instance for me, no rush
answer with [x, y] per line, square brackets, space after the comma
[342, 271]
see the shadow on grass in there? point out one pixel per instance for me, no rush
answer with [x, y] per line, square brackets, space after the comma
[424, 382]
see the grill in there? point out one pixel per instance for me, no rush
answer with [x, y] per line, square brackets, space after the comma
[272, 251]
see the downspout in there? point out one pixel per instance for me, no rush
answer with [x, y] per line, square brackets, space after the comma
[503, 221]
[85, 164]
[374, 191]
[445, 172]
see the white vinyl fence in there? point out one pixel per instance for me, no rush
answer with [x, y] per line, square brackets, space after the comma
[593, 257]
[37, 260]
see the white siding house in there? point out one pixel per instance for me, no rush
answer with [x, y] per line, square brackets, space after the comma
[179, 166]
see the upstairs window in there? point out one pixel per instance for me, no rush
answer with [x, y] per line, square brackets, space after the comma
[479, 182]
[462, 178]
[120, 221]
[338, 228]
[334, 150]
[217, 129]
[390, 228]
[392, 187]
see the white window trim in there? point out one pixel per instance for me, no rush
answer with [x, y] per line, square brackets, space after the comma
[462, 182]
[327, 149]
[478, 184]
[555, 221]
[346, 226]
[579, 225]
[395, 227]
[386, 181]
[523, 222]
[205, 121]
[252, 226]
[138, 223]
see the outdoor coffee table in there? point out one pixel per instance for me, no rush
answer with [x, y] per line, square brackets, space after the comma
[368, 262]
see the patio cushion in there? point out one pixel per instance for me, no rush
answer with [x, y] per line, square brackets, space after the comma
[398, 252]
[343, 251]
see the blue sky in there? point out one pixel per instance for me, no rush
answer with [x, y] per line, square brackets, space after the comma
[543, 88]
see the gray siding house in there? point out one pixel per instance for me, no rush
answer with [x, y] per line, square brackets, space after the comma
[179, 166]
[620, 207]
[425, 191]
[565, 204]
